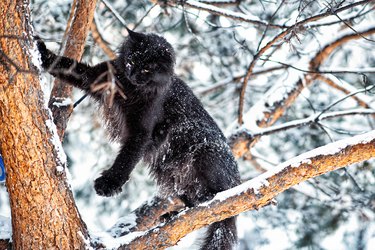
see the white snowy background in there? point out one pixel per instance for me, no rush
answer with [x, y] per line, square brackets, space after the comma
[334, 211]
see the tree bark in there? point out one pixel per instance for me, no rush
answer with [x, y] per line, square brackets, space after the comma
[259, 191]
[72, 47]
[44, 215]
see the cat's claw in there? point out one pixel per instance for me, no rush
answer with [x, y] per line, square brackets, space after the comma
[107, 186]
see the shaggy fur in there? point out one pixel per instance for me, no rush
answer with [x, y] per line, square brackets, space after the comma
[160, 121]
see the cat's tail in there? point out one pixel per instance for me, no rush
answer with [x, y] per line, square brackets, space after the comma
[221, 235]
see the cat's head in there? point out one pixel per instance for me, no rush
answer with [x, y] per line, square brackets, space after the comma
[147, 59]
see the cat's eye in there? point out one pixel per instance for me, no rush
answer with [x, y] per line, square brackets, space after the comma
[144, 71]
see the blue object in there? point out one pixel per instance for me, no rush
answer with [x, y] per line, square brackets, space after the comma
[2, 170]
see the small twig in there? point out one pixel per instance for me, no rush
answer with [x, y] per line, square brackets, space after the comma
[368, 88]
[109, 87]
[271, 19]
[316, 118]
[277, 38]
[223, 12]
[350, 27]
[114, 12]
[144, 16]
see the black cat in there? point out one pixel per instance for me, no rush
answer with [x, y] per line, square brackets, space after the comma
[159, 121]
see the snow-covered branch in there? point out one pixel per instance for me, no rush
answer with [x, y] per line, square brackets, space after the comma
[290, 30]
[257, 192]
[247, 18]
[316, 118]
[268, 110]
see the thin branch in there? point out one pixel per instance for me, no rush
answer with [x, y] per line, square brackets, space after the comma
[348, 19]
[363, 100]
[73, 46]
[270, 112]
[221, 12]
[315, 118]
[367, 89]
[114, 12]
[235, 78]
[98, 38]
[144, 16]
[299, 25]
[357, 71]
[222, 2]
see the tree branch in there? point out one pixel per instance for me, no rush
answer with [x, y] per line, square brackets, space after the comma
[316, 118]
[247, 18]
[98, 38]
[362, 99]
[146, 216]
[299, 25]
[257, 192]
[72, 47]
[271, 111]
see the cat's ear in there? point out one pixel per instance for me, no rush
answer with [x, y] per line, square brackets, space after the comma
[135, 36]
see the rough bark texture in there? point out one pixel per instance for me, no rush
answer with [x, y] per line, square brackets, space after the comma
[80, 19]
[44, 215]
[248, 198]
[4, 245]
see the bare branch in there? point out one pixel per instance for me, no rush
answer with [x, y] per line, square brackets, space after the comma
[236, 78]
[363, 100]
[272, 111]
[279, 37]
[220, 12]
[98, 38]
[316, 118]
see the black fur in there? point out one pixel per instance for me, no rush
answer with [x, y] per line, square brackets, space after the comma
[161, 122]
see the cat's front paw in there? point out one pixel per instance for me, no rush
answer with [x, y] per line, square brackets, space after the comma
[40, 45]
[105, 185]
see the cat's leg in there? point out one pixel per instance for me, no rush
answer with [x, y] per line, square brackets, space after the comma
[114, 178]
[78, 74]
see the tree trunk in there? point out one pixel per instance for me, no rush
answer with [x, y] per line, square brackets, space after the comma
[73, 46]
[44, 215]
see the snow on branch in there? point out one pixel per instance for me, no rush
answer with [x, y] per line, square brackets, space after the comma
[247, 18]
[362, 99]
[257, 192]
[268, 110]
[72, 47]
[315, 118]
[291, 30]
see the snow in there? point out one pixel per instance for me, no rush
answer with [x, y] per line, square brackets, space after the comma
[63, 102]
[305, 158]
[57, 144]
[123, 224]
[224, 12]
[5, 228]
[114, 243]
